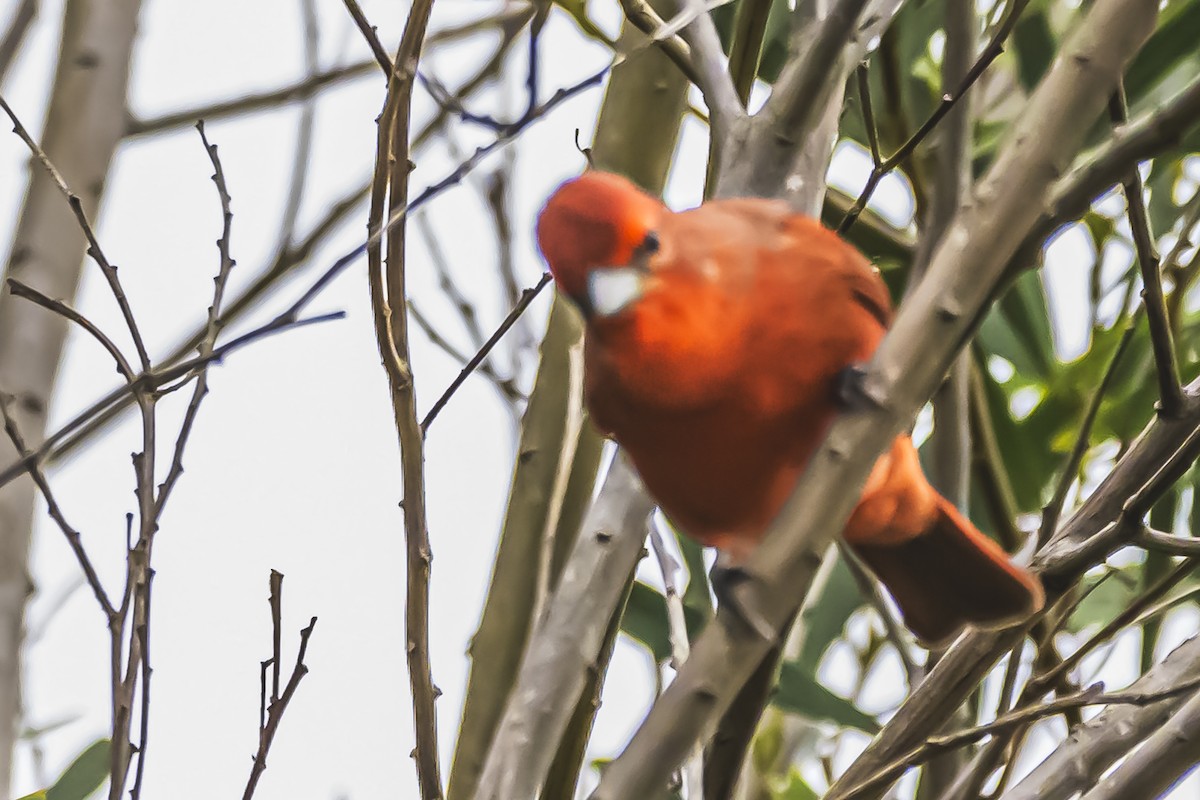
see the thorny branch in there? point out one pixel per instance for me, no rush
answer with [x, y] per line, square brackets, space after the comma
[110, 271]
[389, 198]
[273, 704]
[292, 316]
[288, 259]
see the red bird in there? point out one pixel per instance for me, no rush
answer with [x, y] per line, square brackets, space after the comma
[716, 342]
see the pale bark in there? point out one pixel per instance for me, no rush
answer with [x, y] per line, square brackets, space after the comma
[84, 124]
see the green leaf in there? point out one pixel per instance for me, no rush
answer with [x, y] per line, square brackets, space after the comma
[1169, 48]
[696, 595]
[1100, 227]
[82, 778]
[800, 693]
[775, 41]
[1033, 44]
[796, 788]
[1164, 175]
[1019, 329]
[824, 616]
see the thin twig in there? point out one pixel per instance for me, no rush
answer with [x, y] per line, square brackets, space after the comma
[869, 589]
[212, 326]
[278, 703]
[27, 292]
[94, 250]
[1170, 392]
[74, 539]
[507, 386]
[213, 112]
[1053, 509]
[990, 53]
[371, 35]
[1041, 683]
[527, 297]
[291, 318]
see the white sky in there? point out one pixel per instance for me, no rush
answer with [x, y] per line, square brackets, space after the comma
[294, 463]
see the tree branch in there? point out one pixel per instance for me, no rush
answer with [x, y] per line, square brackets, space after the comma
[276, 704]
[1079, 761]
[388, 301]
[1170, 395]
[908, 365]
[556, 663]
[724, 107]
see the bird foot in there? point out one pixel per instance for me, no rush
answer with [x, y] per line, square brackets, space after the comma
[849, 388]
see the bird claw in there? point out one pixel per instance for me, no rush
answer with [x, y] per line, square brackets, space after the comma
[725, 582]
[849, 388]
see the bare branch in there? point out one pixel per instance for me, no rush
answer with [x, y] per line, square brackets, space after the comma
[211, 329]
[27, 292]
[74, 539]
[290, 318]
[277, 705]
[371, 35]
[110, 272]
[527, 297]
[506, 386]
[1054, 508]
[1170, 395]
[1092, 696]
[1166, 543]
[389, 200]
[302, 89]
[1079, 761]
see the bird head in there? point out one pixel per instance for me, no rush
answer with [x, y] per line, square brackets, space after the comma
[598, 233]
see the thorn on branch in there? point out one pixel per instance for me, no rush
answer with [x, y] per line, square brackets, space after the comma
[272, 707]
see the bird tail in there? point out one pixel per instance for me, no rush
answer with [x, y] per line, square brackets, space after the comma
[951, 575]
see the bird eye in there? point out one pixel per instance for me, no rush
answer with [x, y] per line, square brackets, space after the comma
[650, 244]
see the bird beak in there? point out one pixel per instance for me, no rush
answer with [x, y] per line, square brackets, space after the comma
[611, 290]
